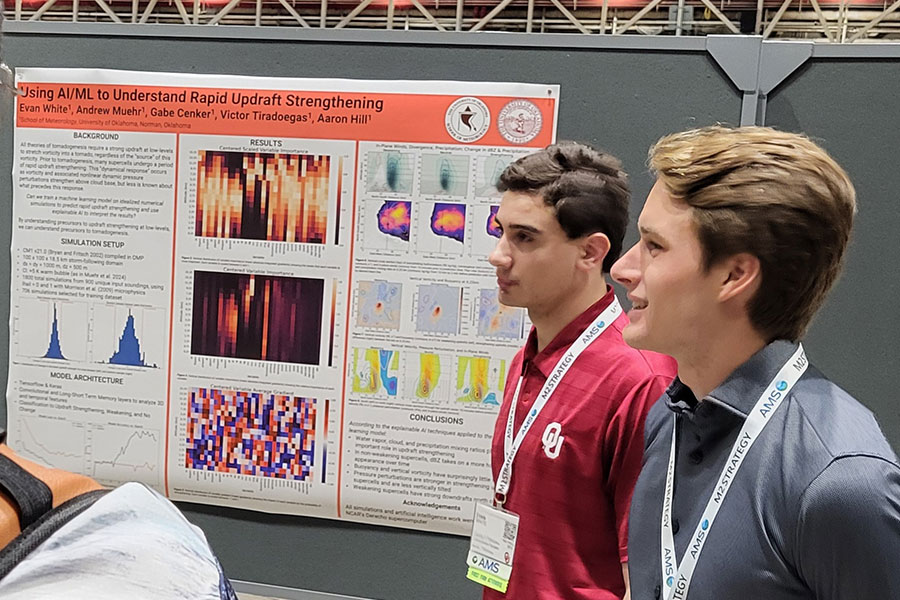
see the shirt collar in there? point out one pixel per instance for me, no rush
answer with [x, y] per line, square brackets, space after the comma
[546, 359]
[740, 390]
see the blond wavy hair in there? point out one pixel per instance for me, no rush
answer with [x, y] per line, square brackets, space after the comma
[772, 194]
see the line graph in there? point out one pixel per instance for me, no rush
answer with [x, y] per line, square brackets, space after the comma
[110, 453]
[124, 453]
[52, 443]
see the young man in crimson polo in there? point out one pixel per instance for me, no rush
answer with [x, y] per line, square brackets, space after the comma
[563, 217]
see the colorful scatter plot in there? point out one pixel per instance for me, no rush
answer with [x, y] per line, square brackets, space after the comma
[248, 433]
[373, 370]
[498, 320]
[394, 219]
[379, 304]
[429, 375]
[480, 380]
[492, 227]
[449, 220]
[445, 175]
[488, 174]
[438, 308]
[389, 172]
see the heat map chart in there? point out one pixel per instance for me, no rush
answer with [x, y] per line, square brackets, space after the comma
[260, 196]
[249, 433]
[374, 371]
[480, 380]
[485, 230]
[128, 336]
[53, 330]
[258, 317]
[378, 304]
[428, 377]
[385, 225]
[496, 320]
[487, 174]
[438, 308]
[444, 175]
[389, 172]
[442, 227]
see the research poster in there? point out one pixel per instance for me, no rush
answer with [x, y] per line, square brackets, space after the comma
[266, 293]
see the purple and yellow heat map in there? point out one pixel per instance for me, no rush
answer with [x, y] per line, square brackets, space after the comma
[248, 433]
[394, 219]
[449, 220]
[492, 226]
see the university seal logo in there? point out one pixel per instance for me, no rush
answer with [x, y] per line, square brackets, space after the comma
[519, 121]
[467, 120]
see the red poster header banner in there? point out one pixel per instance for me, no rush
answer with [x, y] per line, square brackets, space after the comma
[414, 118]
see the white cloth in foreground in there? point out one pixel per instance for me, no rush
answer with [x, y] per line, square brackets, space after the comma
[131, 543]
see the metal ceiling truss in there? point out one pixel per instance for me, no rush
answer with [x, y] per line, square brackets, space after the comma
[840, 21]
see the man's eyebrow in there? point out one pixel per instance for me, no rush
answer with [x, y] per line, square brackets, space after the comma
[648, 230]
[518, 227]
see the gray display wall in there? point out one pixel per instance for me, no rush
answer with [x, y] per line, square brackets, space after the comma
[850, 103]
[617, 93]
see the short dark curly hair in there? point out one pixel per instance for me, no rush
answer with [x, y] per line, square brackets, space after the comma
[587, 189]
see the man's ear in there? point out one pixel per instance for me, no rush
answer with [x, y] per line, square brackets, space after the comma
[594, 248]
[741, 276]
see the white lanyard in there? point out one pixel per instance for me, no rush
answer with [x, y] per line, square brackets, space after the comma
[677, 579]
[510, 445]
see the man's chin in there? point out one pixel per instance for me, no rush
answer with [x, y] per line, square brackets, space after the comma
[507, 299]
[634, 337]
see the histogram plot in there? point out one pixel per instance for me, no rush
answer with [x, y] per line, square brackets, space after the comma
[122, 453]
[485, 229]
[487, 174]
[438, 308]
[55, 330]
[442, 228]
[385, 225]
[263, 196]
[258, 317]
[378, 304]
[389, 172]
[444, 175]
[497, 320]
[428, 377]
[53, 443]
[480, 380]
[251, 433]
[128, 336]
[374, 372]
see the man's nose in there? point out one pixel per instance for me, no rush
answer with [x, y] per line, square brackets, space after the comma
[626, 270]
[499, 256]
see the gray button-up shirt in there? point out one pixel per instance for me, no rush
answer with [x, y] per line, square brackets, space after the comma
[813, 512]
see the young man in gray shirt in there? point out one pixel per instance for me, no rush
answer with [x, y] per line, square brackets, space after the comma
[762, 479]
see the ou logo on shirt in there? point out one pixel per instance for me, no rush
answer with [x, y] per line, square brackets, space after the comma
[552, 440]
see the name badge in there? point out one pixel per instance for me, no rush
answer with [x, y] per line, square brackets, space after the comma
[493, 543]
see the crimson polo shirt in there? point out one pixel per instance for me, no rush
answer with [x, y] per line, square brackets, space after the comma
[574, 508]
